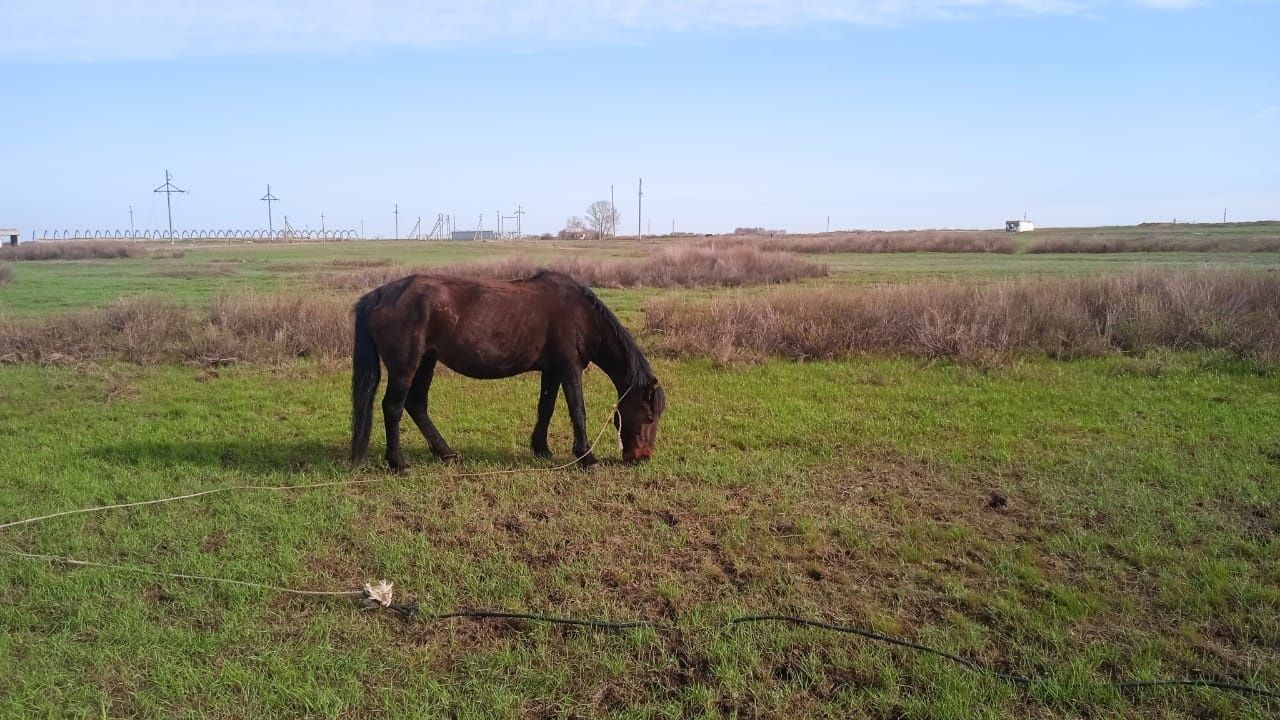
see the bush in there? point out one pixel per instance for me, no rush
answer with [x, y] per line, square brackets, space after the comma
[69, 250]
[954, 241]
[686, 266]
[1068, 317]
[1153, 243]
[148, 331]
[6, 274]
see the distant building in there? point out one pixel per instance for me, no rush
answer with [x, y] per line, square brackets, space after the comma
[9, 235]
[1019, 226]
[576, 233]
[473, 235]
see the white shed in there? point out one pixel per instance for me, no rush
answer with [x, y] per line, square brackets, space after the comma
[9, 235]
[1019, 226]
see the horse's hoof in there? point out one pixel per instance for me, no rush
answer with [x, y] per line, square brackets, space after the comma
[451, 459]
[400, 470]
[588, 462]
[544, 453]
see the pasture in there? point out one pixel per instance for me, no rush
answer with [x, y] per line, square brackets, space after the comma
[1075, 520]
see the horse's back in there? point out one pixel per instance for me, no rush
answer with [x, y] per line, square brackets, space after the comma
[482, 328]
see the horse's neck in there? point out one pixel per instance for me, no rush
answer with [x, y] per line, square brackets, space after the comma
[613, 357]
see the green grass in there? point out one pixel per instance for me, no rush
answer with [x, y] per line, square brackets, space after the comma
[203, 272]
[1139, 539]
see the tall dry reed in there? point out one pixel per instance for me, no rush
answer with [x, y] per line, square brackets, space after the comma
[1153, 243]
[684, 266]
[947, 241]
[1064, 317]
[150, 331]
[69, 250]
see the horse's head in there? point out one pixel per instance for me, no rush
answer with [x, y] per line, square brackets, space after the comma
[637, 420]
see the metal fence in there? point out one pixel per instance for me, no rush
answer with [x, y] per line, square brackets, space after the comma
[224, 235]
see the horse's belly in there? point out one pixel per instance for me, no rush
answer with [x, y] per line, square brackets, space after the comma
[491, 356]
[482, 368]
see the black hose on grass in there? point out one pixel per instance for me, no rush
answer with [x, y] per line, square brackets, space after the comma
[415, 612]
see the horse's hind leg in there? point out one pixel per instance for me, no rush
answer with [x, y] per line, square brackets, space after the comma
[546, 406]
[398, 381]
[416, 405]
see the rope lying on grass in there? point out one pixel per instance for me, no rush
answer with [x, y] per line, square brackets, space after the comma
[380, 596]
[375, 596]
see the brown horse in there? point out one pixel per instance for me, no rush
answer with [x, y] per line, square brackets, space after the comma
[495, 329]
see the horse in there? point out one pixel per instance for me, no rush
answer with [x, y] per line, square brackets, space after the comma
[489, 329]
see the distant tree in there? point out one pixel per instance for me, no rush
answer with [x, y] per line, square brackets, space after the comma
[602, 217]
[575, 223]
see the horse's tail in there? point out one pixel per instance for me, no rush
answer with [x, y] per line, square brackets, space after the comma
[366, 373]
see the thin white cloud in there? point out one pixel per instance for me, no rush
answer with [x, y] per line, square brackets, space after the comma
[1169, 4]
[132, 29]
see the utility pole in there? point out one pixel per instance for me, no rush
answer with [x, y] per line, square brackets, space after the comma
[613, 214]
[131, 219]
[396, 212]
[519, 212]
[268, 199]
[322, 223]
[828, 223]
[640, 211]
[168, 188]
[1224, 216]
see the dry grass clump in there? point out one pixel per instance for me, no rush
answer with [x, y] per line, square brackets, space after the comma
[716, 266]
[1153, 243]
[1068, 317]
[948, 241]
[6, 274]
[148, 331]
[69, 250]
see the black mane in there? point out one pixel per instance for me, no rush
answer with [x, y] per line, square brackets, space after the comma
[636, 370]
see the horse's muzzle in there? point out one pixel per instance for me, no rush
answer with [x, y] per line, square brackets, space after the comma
[640, 454]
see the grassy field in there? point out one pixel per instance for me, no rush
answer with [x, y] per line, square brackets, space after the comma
[1081, 521]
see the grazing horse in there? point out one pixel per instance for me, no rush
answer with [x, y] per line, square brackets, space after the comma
[495, 329]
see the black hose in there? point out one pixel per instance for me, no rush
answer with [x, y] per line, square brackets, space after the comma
[416, 613]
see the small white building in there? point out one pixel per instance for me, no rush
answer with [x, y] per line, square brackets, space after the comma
[9, 236]
[1019, 226]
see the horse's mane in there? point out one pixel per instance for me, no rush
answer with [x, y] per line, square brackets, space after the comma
[637, 368]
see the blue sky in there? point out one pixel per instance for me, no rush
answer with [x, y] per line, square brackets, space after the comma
[885, 114]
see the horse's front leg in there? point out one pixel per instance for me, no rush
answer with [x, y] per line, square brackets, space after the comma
[578, 415]
[546, 406]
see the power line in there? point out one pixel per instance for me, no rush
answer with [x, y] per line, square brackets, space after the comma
[640, 211]
[168, 188]
[268, 199]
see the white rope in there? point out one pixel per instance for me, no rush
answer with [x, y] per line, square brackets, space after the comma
[182, 576]
[380, 594]
[275, 488]
[312, 486]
